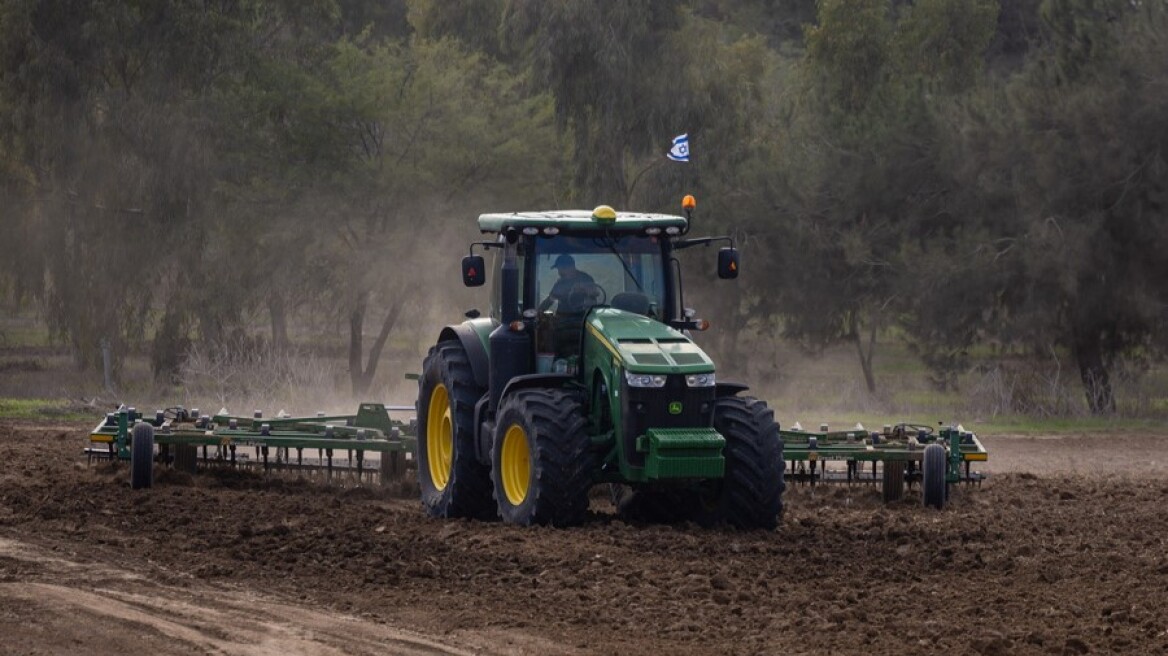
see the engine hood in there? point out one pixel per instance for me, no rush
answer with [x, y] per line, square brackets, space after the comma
[644, 345]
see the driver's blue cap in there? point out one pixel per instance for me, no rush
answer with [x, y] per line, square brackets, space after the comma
[564, 260]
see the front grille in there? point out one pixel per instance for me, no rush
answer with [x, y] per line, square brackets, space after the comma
[648, 407]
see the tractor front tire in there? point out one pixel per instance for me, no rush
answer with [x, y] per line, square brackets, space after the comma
[542, 459]
[453, 482]
[750, 494]
[141, 456]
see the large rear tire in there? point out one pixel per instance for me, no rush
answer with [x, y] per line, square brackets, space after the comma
[934, 488]
[453, 482]
[750, 495]
[141, 456]
[542, 459]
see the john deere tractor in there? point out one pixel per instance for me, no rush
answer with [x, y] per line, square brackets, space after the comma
[582, 373]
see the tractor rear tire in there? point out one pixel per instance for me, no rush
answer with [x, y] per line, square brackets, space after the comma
[934, 488]
[141, 456]
[893, 480]
[542, 459]
[750, 494]
[453, 482]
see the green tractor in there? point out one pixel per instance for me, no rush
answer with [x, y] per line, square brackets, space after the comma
[584, 373]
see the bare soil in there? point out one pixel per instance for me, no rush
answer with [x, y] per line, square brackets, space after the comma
[1061, 551]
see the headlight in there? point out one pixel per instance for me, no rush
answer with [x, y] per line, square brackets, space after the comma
[700, 380]
[644, 380]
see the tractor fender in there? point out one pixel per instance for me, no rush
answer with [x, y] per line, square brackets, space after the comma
[728, 389]
[529, 381]
[480, 364]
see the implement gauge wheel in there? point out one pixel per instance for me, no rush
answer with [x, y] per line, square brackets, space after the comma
[933, 486]
[893, 480]
[186, 458]
[750, 495]
[542, 459]
[141, 456]
[453, 482]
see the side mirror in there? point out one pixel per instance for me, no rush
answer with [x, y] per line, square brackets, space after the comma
[474, 271]
[728, 263]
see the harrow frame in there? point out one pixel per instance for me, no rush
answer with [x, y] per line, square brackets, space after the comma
[900, 455]
[179, 433]
[903, 449]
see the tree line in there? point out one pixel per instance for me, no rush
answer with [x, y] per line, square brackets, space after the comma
[958, 173]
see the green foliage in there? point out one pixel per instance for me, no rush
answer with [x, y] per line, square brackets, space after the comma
[848, 51]
[1058, 172]
[1081, 32]
[866, 185]
[611, 68]
[952, 173]
[476, 23]
[943, 41]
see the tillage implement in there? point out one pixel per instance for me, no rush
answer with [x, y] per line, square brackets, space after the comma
[185, 439]
[906, 454]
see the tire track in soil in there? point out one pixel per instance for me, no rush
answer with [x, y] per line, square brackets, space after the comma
[92, 604]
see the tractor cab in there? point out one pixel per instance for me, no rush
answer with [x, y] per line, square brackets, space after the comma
[567, 271]
[570, 262]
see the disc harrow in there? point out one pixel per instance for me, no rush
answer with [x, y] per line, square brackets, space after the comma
[895, 458]
[367, 447]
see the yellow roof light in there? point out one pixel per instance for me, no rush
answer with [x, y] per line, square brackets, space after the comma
[689, 202]
[604, 214]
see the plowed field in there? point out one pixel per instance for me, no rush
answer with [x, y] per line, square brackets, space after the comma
[1064, 550]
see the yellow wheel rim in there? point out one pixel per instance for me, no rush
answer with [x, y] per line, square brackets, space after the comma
[515, 465]
[439, 437]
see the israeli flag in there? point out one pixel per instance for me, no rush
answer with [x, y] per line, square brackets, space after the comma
[680, 150]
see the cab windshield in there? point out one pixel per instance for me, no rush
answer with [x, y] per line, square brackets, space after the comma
[624, 271]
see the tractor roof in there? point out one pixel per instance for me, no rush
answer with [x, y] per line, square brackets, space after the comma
[573, 220]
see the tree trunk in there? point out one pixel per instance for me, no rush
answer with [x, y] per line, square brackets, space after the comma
[865, 358]
[356, 326]
[278, 311]
[1088, 352]
[379, 344]
[361, 377]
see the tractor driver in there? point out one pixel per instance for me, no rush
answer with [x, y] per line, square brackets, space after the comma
[573, 293]
[571, 279]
